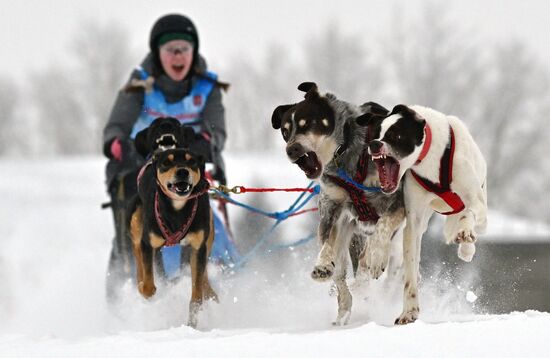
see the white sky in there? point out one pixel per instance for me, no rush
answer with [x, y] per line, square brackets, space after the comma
[34, 33]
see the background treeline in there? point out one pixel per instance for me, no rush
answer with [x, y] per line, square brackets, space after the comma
[500, 90]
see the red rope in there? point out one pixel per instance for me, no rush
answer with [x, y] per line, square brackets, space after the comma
[260, 190]
[304, 211]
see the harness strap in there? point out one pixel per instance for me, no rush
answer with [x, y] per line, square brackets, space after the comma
[365, 211]
[142, 170]
[173, 238]
[443, 188]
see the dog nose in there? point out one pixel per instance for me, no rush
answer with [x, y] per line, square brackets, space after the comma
[294, 151]
[375, 146]
[182, 173]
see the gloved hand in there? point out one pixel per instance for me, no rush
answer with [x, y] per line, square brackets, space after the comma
[116, 150]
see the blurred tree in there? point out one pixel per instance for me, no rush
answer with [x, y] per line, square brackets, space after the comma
[73, 100]
[434, 62]
[103, 60]
[513, 103]
[254, 94]
[9, 94]
[339, 63]
[62, 125]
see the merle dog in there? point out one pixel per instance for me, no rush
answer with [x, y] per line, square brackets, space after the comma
[325, 141]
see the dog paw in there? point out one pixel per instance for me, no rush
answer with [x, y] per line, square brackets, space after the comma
[465, 236]
[466, 251]
[466, 247]
[194, 309]
[375, 262]
[323, 272]
[211, 295]
[407, 317]
[146, 290]
[342, 319]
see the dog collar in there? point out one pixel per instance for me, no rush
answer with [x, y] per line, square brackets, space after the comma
[173, 238]
[427, 143]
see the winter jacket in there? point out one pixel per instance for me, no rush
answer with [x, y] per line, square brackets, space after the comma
[129, 106]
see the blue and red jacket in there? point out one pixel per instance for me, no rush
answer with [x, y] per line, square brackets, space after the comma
[188, 110]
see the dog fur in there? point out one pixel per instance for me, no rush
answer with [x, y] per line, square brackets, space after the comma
[172, 181]
[322, 136]
[401, 151]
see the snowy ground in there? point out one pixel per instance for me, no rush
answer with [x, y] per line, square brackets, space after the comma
[56, 243]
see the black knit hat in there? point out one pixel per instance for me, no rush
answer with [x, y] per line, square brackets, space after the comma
[173, 24]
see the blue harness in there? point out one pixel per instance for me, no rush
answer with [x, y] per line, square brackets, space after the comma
[188, 110]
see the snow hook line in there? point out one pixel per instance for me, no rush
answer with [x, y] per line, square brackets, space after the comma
[294, 209]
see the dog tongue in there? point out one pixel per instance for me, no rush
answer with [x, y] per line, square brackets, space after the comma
[388, 171]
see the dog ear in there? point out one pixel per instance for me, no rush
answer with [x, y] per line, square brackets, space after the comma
[372, 111]
[142, 144]
[365, 119]
[307, 86]
[400, 109]
[374, 108]
[201, 161]
[187, 135]
[310, 88]
[406, 111]
[278, 113]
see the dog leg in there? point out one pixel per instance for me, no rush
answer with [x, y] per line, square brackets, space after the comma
[344, 301]
[208, 291]
[198, 268]
[412, 236]
[147, 286]
[459, 228]
[324, 267]
[327, 233]
[136, 233]
[342, 255]
[377, 251]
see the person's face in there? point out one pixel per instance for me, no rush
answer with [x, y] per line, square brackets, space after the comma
[176, 57]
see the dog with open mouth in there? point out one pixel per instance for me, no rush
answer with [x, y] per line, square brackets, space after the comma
[443, 171]
[172, 208]
[325, 141]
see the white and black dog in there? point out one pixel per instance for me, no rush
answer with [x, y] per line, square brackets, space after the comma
[443, 170]
[325, 141]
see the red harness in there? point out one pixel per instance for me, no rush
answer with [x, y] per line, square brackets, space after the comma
[364, 211]
[174, 238]
[443, 188]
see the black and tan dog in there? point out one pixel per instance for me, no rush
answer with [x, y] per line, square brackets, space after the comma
[172, 208]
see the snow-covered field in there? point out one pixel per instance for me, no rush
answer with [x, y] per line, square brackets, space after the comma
[55, 245]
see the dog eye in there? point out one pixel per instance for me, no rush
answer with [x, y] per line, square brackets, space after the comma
[285, 133]
[165, 163]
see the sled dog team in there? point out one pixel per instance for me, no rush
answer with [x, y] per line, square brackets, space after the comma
[422, 161]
